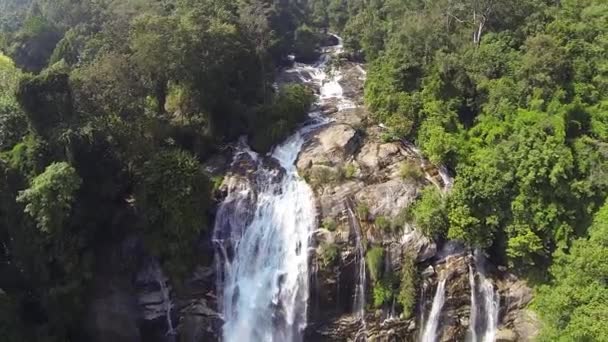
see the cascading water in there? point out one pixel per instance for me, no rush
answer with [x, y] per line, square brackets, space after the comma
[263, 261]
[156, 302]
[473, 318]
[484, 312]
[359, 302]
[432, 323]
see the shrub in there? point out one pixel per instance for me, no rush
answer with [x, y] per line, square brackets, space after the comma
[382, 292]
[375, 261]
[50, 196]
[363, 211]
[329, 255]
[407, 288]
[429, 213]
[410, 171]
[329, 224]
[349, 171]
[383, 223]
[321, 175]
[216, 182]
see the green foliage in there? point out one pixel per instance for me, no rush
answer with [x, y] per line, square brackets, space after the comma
[374, 259]
[329, 255]
[382, 293]
[429, 213]
[173, 194]
[49, 198]
[329, 224]
[32, 46]
[349, 171]
[412, 172]
[514, 111]
[277, 120]
[407, 288]
[363, 211]
[574, 305]
[383, 223]
[13, 124]
[306, 43]
[46, 99]
[126, 93]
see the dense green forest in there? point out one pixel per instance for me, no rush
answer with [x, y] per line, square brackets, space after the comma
[107, 109]
[513, 97]
[106, 105]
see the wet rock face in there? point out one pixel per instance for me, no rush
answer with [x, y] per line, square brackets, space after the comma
[350, 329]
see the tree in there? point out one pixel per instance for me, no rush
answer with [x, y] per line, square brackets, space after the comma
[49, 198]
[12, 121]
[429, 213]
[575, 304]
[173, 196]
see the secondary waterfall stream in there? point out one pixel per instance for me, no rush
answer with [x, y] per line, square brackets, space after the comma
[262, 253]
[430, 329]
[484, 312]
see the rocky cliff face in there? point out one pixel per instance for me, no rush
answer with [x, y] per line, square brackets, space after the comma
[348, 164]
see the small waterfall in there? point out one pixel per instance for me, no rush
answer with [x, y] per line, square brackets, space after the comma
[473, 318]
[432, 323]
[484, 312]
[166, 293]
[359, 302]
[156, 301]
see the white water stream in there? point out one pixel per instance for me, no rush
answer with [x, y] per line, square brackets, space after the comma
[263, 260]
[484, 312]
[432, 323]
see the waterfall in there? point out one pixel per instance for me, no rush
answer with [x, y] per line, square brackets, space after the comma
[156, 302]
[359, 302]
[262, 253]
[432, 323]
[484, 312]
[473, 318]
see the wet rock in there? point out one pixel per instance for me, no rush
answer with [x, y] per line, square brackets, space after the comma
[415, 243]
[199, 322]
[330, 40]
[331, 200]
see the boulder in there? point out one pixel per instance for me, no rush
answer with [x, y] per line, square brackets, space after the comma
[526, 325]
[506, 335]
[417, 244]
[332, 144]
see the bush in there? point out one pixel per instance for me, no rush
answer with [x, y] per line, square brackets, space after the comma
[375, 262]
[407, 288]
[329, 224]
[429, 213]
[383, 292]
[329, 255]
[411, 171]
[50, 196]
[383, 223]
[363, 211]
[349, 171]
